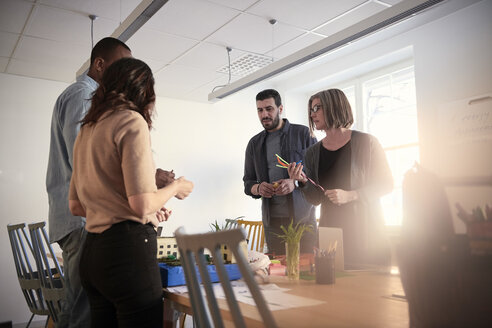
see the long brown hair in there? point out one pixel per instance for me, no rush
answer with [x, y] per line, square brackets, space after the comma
[336, 109]
[126, 84]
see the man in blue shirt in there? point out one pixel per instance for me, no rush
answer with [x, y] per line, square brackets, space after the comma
[64, 228]
[281, 199]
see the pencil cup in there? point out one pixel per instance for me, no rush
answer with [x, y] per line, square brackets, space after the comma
[324, 267]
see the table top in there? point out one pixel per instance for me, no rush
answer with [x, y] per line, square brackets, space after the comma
[358, 299]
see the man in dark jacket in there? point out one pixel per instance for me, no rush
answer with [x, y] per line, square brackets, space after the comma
[282, 201]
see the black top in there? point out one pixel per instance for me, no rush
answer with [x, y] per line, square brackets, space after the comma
[334, 167]
[334, 173]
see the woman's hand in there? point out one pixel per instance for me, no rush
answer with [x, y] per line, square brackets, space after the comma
[185, 187]
[295, 172]
[163, 214]
[340, 196]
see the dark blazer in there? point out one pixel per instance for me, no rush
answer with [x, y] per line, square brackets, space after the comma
[295, 139]
[370, 175]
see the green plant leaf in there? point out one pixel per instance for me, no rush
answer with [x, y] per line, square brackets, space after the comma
[293, 234]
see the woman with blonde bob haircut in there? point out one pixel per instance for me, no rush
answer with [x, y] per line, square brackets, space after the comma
[350, 173]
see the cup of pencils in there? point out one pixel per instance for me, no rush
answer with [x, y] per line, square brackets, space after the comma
[324, 265]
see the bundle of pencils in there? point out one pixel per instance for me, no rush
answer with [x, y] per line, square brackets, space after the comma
[283, 164]
[332, 249]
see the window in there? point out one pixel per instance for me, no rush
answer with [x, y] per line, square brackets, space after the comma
[390, 114]
[384, 105]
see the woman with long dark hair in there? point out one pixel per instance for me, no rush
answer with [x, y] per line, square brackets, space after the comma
[350, 172]
[113, 186]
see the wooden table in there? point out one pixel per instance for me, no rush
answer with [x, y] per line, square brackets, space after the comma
[362, 299]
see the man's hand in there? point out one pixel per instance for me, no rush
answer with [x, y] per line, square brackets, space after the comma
[163, 178]
[283, 186]
[266, 190]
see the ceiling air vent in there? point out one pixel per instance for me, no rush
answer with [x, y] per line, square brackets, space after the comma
[246, 64]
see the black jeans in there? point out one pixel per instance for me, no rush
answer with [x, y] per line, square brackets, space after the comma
[120, 275]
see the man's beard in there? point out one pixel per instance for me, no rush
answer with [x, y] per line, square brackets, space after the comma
[274, 125]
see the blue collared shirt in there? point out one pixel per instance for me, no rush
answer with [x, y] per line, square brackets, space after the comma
[70, 108]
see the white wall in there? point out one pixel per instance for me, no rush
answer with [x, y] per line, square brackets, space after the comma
[206, 142]
[25, 115]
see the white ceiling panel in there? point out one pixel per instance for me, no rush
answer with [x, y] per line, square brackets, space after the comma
[300, 14]
[47, 51]
[154, 65]
[236, 4]
[208, 56]
[116, 10]
[295, 45]
[351, 18]
[177, 79]
[66, 26]
[13, 15]
[53, 71]
[187, 18]
[152, 44]
[3, 63]
[254, 34]
[8, 41]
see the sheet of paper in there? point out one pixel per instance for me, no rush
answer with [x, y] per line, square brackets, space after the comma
[178, 289]
[275, 296]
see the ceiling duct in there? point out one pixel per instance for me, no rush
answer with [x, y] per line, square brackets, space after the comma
[370, 25]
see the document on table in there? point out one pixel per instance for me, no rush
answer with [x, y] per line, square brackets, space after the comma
[276, 297]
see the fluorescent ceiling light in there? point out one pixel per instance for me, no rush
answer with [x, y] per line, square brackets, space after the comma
[139, 16]
[379, 21]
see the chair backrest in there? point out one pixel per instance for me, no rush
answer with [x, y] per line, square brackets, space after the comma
[255, 234]
[28, 278]
[52, 281]
[192, 247]
[231, 223]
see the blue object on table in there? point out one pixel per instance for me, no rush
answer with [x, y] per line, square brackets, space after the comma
[174, 275]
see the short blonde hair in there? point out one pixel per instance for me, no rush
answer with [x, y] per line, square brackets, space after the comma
[336, 109]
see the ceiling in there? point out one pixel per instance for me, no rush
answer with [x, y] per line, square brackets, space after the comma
[184, 42]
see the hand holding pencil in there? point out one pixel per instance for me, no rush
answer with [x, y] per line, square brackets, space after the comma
[295, 171]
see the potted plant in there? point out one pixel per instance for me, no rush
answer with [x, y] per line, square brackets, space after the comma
[292, 237]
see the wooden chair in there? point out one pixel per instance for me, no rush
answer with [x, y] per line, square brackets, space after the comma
[28, 278]
[192, 247]
[52, 281]
[255, 234]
